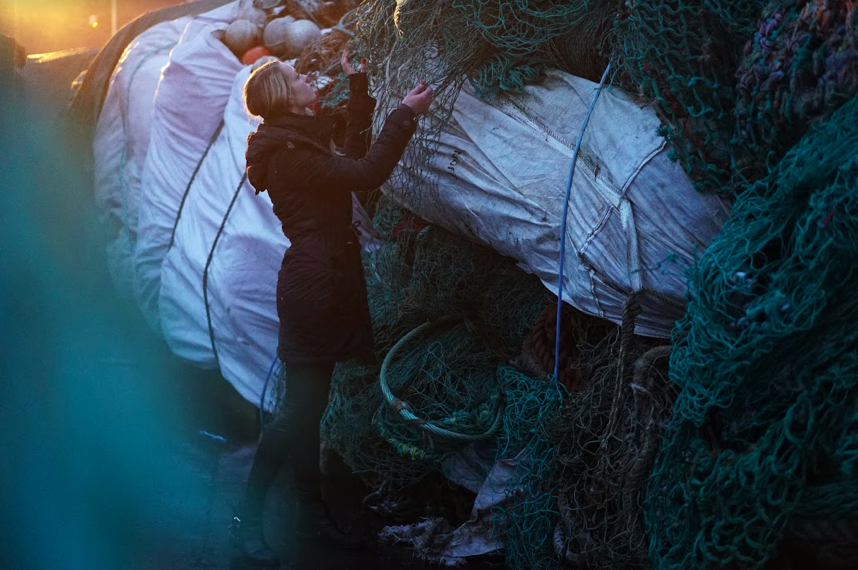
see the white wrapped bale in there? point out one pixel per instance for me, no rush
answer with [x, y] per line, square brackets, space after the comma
[186, 293]
[635, 220]
[188, 108]
[122, 140]
[242, 276]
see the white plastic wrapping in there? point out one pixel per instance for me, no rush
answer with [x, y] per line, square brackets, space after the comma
[182, 302]
[122, 140]
[189, 106]
[635, 220]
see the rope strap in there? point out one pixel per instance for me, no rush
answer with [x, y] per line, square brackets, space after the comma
[209, 262]
[191, 182]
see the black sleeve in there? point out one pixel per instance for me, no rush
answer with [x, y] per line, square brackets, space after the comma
[344, 174]
[359, 116]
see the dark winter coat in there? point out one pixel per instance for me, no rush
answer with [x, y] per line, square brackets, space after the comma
[321, 292]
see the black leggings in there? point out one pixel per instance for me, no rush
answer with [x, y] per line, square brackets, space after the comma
[293, 433]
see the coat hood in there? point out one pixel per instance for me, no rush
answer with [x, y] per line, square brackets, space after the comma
[272, 135]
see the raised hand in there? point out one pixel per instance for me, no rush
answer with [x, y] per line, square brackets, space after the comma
[419, 99]
[347, 67]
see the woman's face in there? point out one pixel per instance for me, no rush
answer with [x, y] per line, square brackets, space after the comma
[301, 93]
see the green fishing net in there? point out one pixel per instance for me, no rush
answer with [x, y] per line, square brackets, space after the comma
[682, 57]
[445, 374]
[585, 455]
[762, 433]
[758, 455]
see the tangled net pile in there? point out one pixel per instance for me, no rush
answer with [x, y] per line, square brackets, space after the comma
[499, 45]
[751, 448]
[762, 440]
[681, 56]
[737, 83]
[586, 455]
[446, 375]
[800, 67]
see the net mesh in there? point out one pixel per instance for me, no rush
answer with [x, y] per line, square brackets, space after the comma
[681, 56]
[585, 453]
[767, 365]
[446, 375]
[526, 523]
[607, 437]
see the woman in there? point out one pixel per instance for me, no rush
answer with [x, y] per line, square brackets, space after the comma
[321, 293]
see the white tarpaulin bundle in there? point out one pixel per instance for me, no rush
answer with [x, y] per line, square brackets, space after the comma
[635, 221]
[191, 242]
[200, 251]
[188, 110]
[122, 140]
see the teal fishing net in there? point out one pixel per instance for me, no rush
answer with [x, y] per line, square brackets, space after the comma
[762, 433]
[585, 454]
[445, 374]
[681, 56]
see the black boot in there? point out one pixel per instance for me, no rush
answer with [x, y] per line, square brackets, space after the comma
[316, 523]
[246, 535]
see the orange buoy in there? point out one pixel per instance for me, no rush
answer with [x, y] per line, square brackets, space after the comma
[254, 53]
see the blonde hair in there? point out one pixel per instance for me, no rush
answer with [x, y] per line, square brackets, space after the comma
[266, 92]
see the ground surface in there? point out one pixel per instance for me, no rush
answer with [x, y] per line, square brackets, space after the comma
[211, 464]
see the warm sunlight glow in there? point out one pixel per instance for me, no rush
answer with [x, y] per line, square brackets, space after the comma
[50, 25]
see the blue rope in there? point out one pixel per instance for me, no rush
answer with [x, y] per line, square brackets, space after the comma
[262, 399]
[563, 225]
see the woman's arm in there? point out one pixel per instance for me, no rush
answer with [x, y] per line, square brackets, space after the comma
[345, 174]
[332, 173]
[359, 116]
